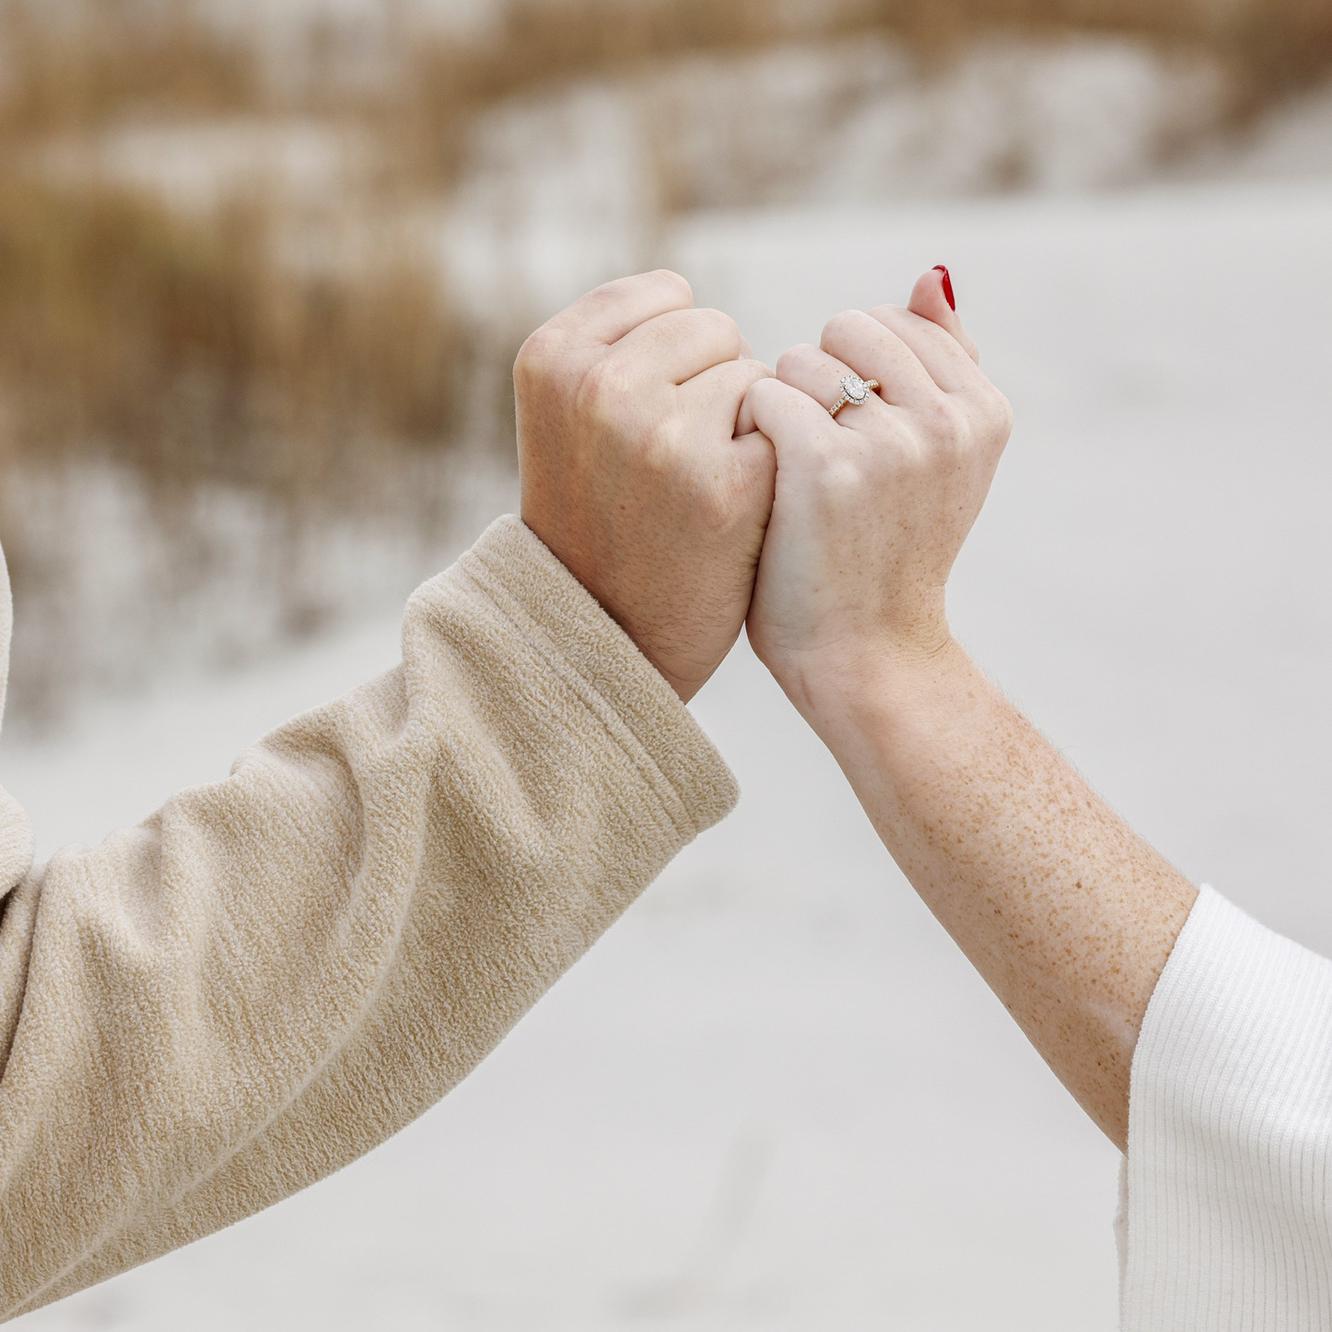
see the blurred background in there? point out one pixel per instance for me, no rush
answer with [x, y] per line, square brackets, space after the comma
[263, 269]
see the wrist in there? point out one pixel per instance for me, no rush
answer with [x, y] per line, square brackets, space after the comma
[845, 693]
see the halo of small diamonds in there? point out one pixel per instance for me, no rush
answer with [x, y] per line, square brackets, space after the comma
[855, 388]
[854, 391]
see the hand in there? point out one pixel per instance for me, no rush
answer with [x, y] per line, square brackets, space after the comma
[638, 470]
[1068, 915]
[872, 508]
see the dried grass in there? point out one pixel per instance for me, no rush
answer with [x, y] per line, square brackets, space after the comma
[185, 347]
[1279, 41]
[118, 58]
[1271, 47]
[106, 59]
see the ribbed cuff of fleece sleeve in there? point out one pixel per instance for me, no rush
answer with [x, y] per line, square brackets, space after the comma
[1226, 1221]
[621, 690]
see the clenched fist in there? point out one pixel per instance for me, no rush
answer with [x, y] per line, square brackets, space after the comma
[638, 471]
[871, 508]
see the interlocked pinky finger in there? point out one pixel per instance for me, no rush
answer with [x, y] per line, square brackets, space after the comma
[724, 390]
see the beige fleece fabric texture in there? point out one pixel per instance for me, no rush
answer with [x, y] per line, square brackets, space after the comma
[272, 974]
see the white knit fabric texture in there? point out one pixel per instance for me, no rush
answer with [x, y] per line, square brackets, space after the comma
[1227, 1206]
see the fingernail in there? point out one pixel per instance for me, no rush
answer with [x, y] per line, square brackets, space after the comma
[947, 287]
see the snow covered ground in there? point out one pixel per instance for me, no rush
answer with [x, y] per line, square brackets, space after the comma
[774, 1097]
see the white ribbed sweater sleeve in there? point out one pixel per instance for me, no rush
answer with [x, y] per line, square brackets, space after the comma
[1227, 1207]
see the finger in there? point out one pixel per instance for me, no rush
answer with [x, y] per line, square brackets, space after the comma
[681, 344]
[859, 340]
[943, 357]
[756, 458]
[609, 312]
[819, 375]
[723, 390]
[797, 425]
[933, 298]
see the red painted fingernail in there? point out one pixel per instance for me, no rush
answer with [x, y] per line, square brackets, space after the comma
[947, 287]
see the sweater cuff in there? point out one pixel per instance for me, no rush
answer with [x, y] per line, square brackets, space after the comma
[1230, 1130]
[558, 618]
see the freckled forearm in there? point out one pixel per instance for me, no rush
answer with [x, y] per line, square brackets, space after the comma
[1064, 910]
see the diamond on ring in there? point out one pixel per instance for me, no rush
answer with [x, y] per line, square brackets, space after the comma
[854, 391]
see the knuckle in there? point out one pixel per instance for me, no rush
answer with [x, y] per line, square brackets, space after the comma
[536, 358]
[1002, 414]
[765, 391]
[721, 320]
[663, 439]
[944, 421]
[605, 387]
[842, 324]
[841, 475]
[842, 470]
[887, 314]
[793, 359]
[608, 293]
[674, 282]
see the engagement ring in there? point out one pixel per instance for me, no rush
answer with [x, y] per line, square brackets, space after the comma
[854, 391]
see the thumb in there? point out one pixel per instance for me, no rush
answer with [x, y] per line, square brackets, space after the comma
[793, 422]
[933, 298]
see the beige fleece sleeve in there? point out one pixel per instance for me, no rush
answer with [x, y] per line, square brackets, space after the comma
[271, 975]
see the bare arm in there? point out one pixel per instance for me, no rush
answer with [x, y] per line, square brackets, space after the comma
[1068, 915]
[1065, 911]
